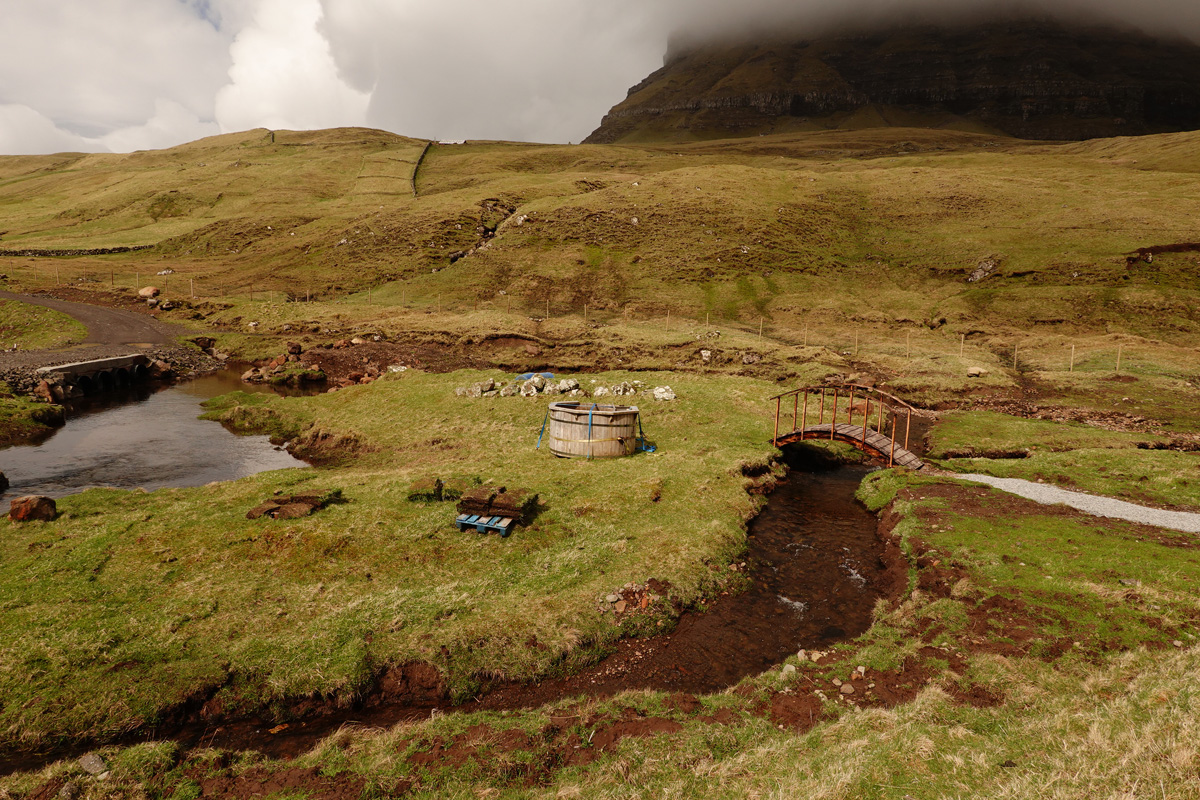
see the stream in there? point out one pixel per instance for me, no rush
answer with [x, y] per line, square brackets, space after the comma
[145, 437]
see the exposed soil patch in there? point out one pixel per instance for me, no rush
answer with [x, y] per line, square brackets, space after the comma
[342, 362]
[255, 783]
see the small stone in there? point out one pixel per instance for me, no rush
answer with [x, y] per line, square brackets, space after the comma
[1129, 582]
[706, 356]
[93, 764]
[612, 598]
[621, 606]
[1177, 643]
[976, 372]
[33, 507]
[837, 682]
[788, 672]
[847, 689]
[664, 393]
[802, 655]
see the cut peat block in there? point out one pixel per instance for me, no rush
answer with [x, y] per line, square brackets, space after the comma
[519, 504]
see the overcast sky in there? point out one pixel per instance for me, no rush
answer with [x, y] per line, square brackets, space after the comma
[123, 75]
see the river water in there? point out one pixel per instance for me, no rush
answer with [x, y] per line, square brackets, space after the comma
[147, 438]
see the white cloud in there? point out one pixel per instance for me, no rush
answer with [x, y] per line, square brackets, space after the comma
[94, 66]
[171, 124]
[283, 74]
[539, 70]
[26, 131]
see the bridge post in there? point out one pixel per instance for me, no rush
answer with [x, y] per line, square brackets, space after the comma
[866, 420]
[795, 411]
[892, 452]
[907, 429]
[804, 421]
[775, 441]
[821, 415]
[833, 419]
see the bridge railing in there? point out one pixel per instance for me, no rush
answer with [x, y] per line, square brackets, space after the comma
[857, 401]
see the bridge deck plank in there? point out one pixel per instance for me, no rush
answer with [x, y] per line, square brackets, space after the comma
[878, 443]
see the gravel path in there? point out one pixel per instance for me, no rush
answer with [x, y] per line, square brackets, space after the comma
[1092, 504]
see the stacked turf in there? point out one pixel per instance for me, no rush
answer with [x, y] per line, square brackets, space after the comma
[519, 505]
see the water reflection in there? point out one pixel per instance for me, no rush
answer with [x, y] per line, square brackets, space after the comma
[142, 437]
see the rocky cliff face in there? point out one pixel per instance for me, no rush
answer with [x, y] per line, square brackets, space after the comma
[1031, 79]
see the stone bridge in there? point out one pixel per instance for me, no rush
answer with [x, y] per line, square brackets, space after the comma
[100, 375]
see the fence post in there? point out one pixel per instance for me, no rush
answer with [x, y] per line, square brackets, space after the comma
[1119, 358]
[1072, 369]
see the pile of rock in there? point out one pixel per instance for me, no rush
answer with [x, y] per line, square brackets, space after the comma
[539, 385]
[286, 369]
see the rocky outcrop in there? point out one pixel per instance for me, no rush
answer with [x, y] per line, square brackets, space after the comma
[1032, 79]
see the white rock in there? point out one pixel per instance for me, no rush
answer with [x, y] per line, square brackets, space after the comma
[663, 393]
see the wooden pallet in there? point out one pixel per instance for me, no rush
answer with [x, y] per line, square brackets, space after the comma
[484, 524]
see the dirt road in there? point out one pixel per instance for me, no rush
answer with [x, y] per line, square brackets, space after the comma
[105, 325]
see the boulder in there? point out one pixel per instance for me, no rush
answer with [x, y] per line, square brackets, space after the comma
[663, 393]
[976, 372]
[159, 369]
[511, 390]
[44, 391]
[250, 375]
[601, 391]
[529, 389]
[538, 382]
[551, 389]
[624, 389]
[294, 348]
[147, 292]
[33, 507]
[568, 385]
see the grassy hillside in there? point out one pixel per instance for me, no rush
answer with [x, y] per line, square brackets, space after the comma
[879, 228]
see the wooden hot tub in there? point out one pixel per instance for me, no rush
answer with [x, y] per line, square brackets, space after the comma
[590, 430]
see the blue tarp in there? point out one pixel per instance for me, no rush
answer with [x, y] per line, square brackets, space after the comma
[529, 376]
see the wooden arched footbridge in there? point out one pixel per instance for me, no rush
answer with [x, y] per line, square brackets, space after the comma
[877, 423]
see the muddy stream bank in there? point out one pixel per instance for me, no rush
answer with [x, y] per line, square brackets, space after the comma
[815, 564]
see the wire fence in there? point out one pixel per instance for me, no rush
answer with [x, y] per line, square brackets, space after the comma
[1064, 353]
